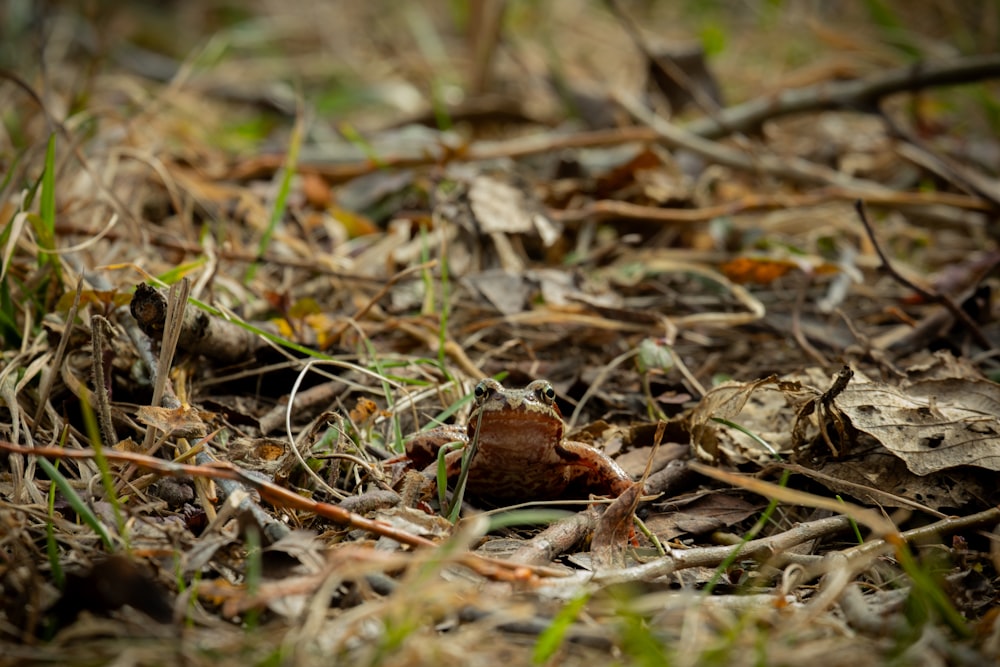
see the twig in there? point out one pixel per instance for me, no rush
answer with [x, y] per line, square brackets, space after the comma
[666, 64]
[860, 94]
[339, 171]
[798, 334]
[604, 209]
[792, 168]
[912, 148]
[220, 340]
[281, 497]
[876, 547]
[556, 539]
[99, 328]
[168, 347]
[956, 311]
[711, 556]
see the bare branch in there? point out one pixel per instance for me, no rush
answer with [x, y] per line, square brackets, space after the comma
[862, 94]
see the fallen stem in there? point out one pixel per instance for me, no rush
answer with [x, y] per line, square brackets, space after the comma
[280, 497]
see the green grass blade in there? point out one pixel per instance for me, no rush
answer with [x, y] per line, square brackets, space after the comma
[45, 224]
[76, 502]
[553, 636]
[358, 140]
[51, 546]
[445, 307]
[280, 202]
[10, 334]
[47, 205]
[94, 434]
[442, 480]
[928, 591]
[178, 273]
[539, 516]
[756, 438]
[750, 534]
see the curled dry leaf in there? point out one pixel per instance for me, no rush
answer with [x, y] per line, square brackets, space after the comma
[760, 406]
[182, 422]
[264, 455]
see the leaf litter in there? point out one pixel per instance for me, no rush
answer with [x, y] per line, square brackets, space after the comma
[775, 314]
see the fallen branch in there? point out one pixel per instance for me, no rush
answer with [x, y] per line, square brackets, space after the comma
[862, 94]
[280, 497]
[792, 168]
[932, 296]
[606, 209]
[221, 341]
[762, 549]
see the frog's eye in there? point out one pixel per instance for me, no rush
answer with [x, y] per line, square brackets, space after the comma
[485, 389]
[547, 393]
[481, 391]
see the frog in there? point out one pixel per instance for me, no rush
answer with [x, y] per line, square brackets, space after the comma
[521, 450]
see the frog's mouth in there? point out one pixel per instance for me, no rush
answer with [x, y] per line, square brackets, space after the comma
[518, 428]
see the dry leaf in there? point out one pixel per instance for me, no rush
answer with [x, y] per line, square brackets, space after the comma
[699, 513]
[182, 422]
[611, 536]
[501, 207]
[933, 424]
[765, 407]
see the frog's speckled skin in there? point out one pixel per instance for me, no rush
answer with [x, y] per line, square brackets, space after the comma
[522, 453]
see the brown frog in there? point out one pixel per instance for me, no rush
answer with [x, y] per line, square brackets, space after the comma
[522, 453]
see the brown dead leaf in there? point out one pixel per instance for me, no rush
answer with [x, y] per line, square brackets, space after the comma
[316, 190]
[700, 513]
[500, 207]
[182, 422]
[744, 270]
[506, 291]
[765, 407]
[354, 224]
[265, 455]
[764, 270]
[932, 425]
[876, 476]
[611, 536]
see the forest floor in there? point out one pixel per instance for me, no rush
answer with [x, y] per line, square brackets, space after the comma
[249, 250]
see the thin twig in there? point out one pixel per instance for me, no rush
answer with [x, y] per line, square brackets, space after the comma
[858, 94]
[281, 497]
[759, 161]
[666, 64]
[99, 329]
[932, 296]
[605, 209]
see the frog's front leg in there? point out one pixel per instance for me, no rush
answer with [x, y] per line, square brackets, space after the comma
[422, 451]
[590, 471]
